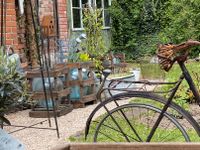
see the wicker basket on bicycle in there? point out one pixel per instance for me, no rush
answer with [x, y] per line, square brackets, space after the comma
[169, 53]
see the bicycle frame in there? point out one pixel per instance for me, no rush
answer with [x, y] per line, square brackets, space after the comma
[187, 76]
[190, 82]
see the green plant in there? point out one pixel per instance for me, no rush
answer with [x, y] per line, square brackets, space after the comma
[135, 25]
[12, 85]
[139, 25]
[94, 43]
[84, 57]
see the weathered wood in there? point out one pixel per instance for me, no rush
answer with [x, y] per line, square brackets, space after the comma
[82, 104]
[132, 146]
[60, 111]
[149, 146]
[88, 98]
[53, 73]
[56, 94]
[82, 83]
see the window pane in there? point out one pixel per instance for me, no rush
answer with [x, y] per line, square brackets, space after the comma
[99, 4]
[77, 18]
[106, 3]
[75, 3]
[107, 18]
[84, 1]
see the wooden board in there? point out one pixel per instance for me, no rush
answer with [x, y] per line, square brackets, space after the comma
[56, 94]
[44, 114]
[35, 73]
[82, 104]
[131, 146]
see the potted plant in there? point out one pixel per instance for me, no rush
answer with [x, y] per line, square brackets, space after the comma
[12, 85]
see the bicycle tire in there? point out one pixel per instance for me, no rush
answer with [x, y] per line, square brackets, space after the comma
[142, 125]
[151, 97]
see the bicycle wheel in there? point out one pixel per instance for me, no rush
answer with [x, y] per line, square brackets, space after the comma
[135, 124]
[182, 116]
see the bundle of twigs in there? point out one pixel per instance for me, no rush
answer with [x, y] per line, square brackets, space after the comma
[165, 55]
[168, 53]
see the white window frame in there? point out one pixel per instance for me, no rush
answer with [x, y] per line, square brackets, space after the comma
[81, 13]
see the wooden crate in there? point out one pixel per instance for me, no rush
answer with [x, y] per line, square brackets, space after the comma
[131, 146]
[81, 83]
[60, 109]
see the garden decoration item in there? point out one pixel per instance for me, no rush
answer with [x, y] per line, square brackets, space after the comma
[80, 77]
[37, 86]
[82, 81]
[149, 116]
[12, 57]
[168, 53]
[49, 101]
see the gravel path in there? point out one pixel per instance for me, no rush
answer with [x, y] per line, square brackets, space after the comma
[69, 125]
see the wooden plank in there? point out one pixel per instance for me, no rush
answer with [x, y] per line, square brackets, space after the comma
[56, 94]
[52, 73]
[136, 146]
[88, 98]
[62, 110]
[62, 147]
[88, 82]
[72, 83]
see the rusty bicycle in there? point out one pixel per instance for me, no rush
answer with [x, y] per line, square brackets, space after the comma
[148, 116]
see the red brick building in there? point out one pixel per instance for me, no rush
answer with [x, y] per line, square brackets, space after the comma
[14, 31]
[69, 20]
[10, 25]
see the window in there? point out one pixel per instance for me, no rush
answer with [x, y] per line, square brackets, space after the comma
[77, 7]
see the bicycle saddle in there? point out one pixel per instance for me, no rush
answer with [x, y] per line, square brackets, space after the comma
[169, 53]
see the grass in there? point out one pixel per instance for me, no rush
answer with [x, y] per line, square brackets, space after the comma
[142, 129]
[123, 74]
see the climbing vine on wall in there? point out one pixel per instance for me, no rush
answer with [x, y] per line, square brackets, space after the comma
[93, 25]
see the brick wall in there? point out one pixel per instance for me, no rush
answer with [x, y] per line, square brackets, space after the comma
[15, 30]
[11, 25]
[62, 11]
[46, 8]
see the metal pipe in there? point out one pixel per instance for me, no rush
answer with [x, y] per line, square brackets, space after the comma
[50, 89]
[39, 58]
[190, 82]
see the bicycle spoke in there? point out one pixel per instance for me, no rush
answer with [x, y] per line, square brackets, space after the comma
[119, 132]
[142, 117]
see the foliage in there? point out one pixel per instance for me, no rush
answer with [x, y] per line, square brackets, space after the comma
[12, 85]
[183, 95]
[139, 25]
[94, 43]
[134, 26]
[84, 57]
